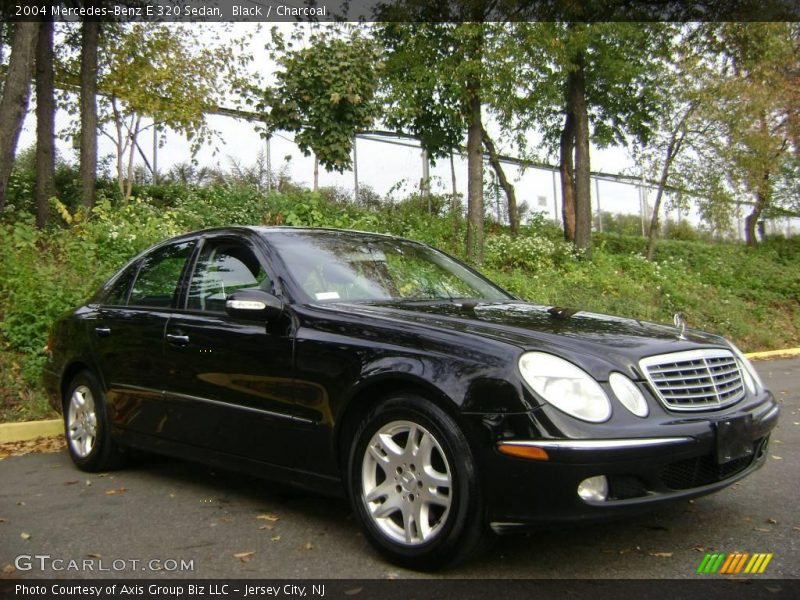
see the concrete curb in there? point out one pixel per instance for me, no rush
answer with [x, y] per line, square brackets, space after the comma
[785, 353]
[30, 430]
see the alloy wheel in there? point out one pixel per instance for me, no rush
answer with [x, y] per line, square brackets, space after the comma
[82, 421]
[407, 485]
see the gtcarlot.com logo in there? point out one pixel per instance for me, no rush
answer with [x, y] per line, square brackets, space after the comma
[736, 562]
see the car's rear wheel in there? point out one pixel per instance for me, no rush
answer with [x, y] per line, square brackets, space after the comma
[86, 426]
[413, 484]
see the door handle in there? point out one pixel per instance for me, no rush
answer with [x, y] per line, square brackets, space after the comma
[103, 331]
[177, 339]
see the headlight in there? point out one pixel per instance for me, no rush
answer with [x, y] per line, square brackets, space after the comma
[749, 374]
[628, 394]
[565, 386]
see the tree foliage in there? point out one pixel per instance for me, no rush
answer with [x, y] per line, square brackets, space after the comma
[325, 93]
[165, 76]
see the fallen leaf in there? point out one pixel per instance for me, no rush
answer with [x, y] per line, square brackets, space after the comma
[661, 554]
[244, 556]
[42, 444]
[308, 546]
[277, 538]
[116, 491]
[796, 528]
[25, 535]
[94, 556]
[172, 495]
[699, 548]
[20, 504]
[2, 520]
[73, 482]
[777, 457]
[88, 482]
[103, 475]
[8, 569]
[761, 529]
[268, 517]
[771, 521]
[267, 527]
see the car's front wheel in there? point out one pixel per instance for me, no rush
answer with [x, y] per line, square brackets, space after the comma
[86, 427]
[413, 484]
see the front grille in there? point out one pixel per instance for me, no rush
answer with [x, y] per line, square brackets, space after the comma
[695, 380]
[703, 470]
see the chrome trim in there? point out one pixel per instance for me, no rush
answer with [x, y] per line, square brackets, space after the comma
[251, 409]
[771, 413]
[599, 444]
[658, 361]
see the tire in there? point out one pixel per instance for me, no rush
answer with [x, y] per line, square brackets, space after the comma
[419, 504]
[86, 426]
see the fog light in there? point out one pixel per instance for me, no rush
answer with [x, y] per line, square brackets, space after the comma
[594, 489]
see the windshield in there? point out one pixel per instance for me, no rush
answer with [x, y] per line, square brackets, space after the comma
[332, 267]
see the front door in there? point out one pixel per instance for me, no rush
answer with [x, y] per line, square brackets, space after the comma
[229, 380]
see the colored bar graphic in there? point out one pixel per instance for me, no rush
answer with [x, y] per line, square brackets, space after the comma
[729, 564]
[734, 563]
[741, 562]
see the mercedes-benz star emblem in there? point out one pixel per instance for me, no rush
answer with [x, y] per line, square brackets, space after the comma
[680, 325]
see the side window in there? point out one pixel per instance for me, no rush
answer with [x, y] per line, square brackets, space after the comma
[159, 275]
[117, 294]
[223, 268]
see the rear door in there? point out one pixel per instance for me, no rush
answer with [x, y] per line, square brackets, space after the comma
[128, 336]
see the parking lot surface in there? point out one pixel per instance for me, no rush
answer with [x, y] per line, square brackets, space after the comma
[167, 518]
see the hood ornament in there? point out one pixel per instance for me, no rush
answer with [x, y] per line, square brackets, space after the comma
[680, 325]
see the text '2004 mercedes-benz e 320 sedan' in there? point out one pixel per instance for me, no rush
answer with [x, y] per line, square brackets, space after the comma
[381, 369]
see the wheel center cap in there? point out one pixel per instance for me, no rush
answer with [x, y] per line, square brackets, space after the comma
[409, 481]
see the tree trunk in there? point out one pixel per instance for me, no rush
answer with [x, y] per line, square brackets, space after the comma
[508, 188]
[583, 182]
[316, 173]
[45, 124]
[474, 180]
[762, 201]
[567, 173]
[673, 148]
[89, 40]
[134, 134]
[16, 93]
[455, 208]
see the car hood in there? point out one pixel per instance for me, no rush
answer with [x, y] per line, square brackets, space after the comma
[596, 337]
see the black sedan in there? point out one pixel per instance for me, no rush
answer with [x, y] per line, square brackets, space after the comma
[386, 371]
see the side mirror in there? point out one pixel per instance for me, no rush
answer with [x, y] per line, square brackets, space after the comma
[257, 305]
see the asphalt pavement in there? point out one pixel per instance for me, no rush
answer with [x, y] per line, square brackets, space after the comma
[167, 518]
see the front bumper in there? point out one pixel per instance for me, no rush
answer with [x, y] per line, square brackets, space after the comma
[675, 459]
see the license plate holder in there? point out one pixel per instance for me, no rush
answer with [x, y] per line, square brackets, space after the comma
[734, 438]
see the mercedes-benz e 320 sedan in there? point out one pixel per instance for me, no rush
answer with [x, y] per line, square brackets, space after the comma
[388, 372]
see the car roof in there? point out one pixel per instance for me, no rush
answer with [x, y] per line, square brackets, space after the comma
[266, 230]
